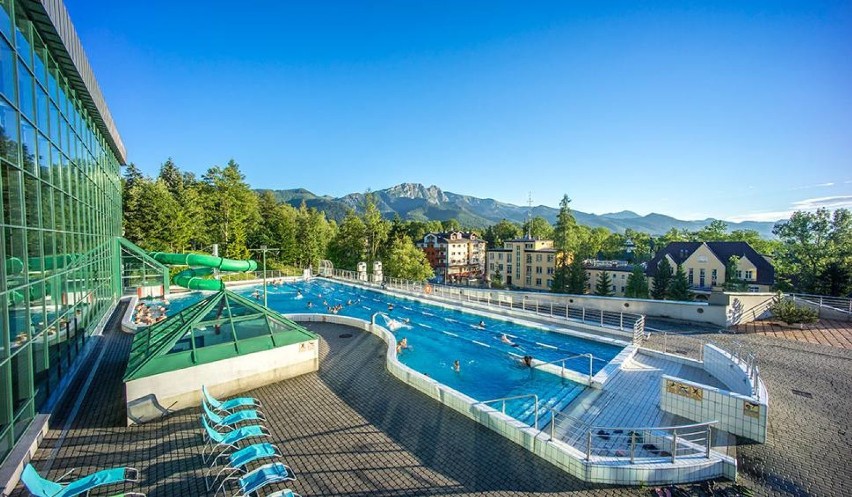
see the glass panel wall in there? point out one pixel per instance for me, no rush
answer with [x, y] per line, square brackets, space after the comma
[60, 211]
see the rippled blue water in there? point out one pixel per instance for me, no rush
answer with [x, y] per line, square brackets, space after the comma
[437, 337]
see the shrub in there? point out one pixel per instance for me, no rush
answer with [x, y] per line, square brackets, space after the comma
[791, 313]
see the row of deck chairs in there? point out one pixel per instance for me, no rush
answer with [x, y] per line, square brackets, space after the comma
[42, 487]
[228, 428]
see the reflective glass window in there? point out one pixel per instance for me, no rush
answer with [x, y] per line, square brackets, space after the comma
[7, 71]
[8, 132]
[44, 158]
[12, 197]
[25, 92]
[22, 35]
[5, 19]
[31, 194]
[39, 67]
[42, 105]
[28, 146]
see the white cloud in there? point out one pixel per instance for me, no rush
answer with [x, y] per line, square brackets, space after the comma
[810, 204]
[761, 216]
[818, 185]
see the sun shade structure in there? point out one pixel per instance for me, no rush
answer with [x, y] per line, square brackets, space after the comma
[222, 326]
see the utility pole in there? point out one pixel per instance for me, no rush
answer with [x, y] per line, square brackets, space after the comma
[529, 214]
[264, 249]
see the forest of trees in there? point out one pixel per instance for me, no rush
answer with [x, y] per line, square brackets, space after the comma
[176, 211]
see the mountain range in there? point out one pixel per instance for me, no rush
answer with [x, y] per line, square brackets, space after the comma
[417, 202]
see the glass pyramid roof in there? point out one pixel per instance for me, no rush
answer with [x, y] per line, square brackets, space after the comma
[217, 327]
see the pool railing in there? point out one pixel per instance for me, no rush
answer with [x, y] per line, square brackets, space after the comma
[622, 322]
[631, 443]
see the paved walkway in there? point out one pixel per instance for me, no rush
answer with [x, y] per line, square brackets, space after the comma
[825, 332]
[353, 430]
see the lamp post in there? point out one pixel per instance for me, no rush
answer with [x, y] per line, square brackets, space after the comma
[264, 249]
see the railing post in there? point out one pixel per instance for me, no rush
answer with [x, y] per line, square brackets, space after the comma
[589, 445]
[591, 368]
[621, 321]
[708, 441]
[552, 422]
[674, 445]
[524, 302]
[632, 445]
[584, 315]
[601, 317]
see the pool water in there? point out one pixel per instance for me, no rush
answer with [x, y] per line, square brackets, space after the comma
[489, 368]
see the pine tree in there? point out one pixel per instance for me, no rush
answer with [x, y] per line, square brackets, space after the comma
[577, 279]
[662, 280]
[377, 228]
[565, 240]
[637, 284]
[679, 286]
[603, 287]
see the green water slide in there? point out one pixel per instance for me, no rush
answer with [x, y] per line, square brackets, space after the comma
[201, 266]
[15, 266]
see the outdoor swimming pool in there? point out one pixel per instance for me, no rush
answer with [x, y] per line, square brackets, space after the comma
[437, 337]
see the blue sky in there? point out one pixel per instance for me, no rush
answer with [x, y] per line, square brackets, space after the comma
[734, 110]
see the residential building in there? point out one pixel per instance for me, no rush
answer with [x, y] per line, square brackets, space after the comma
[618, 272]
[454, 255]
[60, 214]
[705, 265]
[525, 263]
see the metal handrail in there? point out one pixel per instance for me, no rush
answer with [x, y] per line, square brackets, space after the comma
[704, 428]
[516, 397]
[562, 361]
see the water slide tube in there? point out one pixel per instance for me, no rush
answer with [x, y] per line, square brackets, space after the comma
[201, 266]
[15, 265]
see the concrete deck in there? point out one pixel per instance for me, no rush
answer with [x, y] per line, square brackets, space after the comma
[352, 429]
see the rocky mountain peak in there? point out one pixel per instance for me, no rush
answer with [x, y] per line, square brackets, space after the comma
[431, 194]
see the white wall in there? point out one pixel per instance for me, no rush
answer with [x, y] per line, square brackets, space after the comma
[728, 408]
[182, 388]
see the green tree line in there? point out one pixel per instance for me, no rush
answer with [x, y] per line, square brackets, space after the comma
[177, 212]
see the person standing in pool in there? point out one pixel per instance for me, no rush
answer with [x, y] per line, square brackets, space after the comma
[457, 366]
[527, 361]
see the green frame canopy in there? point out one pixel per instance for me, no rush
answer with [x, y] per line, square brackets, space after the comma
[220, 326]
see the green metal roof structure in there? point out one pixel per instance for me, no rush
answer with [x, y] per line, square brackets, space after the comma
[217, 327]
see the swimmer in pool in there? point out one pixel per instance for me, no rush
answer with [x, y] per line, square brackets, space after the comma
[457, 366]
[403, 344]
[390, 307]
[527, 361]
[482, 325]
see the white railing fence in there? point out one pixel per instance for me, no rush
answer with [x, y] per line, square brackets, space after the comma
[624, 322]
[633, 443]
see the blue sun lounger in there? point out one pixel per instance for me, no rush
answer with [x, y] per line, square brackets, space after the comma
[284, 493]
[229, 440]
[230, 405]
[274, 472]
[42, 487]
[237, 461]
[232, 420]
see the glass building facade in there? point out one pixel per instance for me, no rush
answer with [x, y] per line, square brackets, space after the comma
[60, 197]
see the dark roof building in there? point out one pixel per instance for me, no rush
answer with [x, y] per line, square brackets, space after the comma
[680, 252]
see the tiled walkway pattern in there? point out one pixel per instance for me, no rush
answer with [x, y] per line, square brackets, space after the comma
[353, 430]
[825, 332]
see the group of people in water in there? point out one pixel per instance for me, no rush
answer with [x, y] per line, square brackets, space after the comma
[402, 344]
[146, 315]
